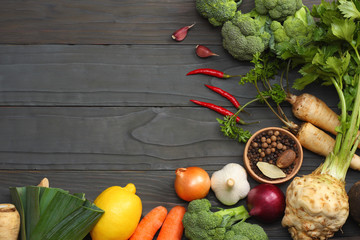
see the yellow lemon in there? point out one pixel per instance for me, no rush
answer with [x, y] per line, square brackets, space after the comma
[123, 210]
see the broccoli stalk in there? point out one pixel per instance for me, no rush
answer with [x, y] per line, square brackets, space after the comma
[201, 223]
[232, 215]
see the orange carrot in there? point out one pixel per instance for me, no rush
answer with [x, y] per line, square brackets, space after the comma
[173, 228]
[150, 224]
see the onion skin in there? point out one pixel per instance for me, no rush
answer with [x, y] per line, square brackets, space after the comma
[192, 183]
[266, 202]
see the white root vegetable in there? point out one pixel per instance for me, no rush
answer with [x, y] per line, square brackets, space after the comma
[311, 109]
[230, 184]
[319, 142]
[9, 222]
[319, 197]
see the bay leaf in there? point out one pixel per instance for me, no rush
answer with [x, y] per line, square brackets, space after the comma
[270, 170]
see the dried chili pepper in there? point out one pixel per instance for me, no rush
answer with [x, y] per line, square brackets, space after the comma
[211, 72]
[218, 109]
[225, 94]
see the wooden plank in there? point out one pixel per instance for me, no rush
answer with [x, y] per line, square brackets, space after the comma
[120, 75]
[100, 22]
[104, 22]
[121, 138]
[153, 187]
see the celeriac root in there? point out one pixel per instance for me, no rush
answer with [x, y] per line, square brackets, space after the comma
[319, 142]
[311, 109]
[9, 222]
[316, 207]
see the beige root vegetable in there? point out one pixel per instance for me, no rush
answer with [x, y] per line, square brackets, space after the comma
[44, 183]
[9, 222]
[311, 109]
[315, 210]
[321, 143]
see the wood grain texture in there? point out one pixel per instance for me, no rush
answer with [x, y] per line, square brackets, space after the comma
[104, 22]
[95, 94]
[120, 75]
[120, 138]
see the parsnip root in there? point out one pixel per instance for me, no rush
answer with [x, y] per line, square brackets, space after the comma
[9, 222]
[319, 142]
[311, 109]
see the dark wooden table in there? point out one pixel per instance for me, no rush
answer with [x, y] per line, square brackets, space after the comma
[94, 94]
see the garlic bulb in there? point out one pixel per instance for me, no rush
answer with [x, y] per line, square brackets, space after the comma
[230, 184]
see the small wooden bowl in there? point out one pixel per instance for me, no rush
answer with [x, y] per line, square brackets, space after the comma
[256, 174]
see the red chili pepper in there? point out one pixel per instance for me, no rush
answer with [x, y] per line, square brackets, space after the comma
[218, 109]
[211, 72]
[225, 94]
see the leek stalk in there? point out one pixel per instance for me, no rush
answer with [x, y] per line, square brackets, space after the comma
[53, 213]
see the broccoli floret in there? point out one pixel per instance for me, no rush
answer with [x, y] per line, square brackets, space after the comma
[231, 235]
[293, 33]
[251, 231]
[246, 35]
[217, 11]
[278, 9]
[201, 223]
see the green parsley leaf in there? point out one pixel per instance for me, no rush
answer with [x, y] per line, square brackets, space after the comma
[348, 9]
[230, 129]
[344, 29]
[276, 93]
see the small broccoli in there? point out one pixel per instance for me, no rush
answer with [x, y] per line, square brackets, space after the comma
[201, 223]
[295, 31]
[217, 11]
[278, 9]
[248, 230]
[246, 35]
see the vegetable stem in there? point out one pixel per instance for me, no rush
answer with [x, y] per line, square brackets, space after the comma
[343, 115]
[337, 163]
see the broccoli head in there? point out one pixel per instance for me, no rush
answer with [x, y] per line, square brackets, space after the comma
[278, 9]
[201, 223]
[231, 235]
[246, 35]
[248, 230]
[217, 11]
[293, 33]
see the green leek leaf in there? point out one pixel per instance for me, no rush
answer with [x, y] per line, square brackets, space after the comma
[18, 196]
[60, 206]
[53, 213]
[32, 213]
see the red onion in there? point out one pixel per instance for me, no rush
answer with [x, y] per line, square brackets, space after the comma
[266, 202]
